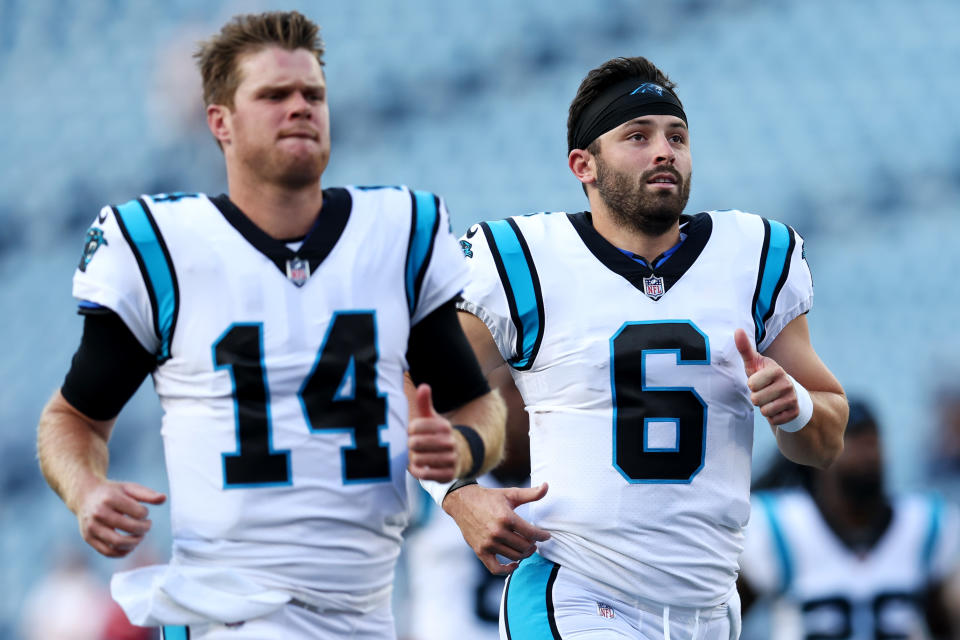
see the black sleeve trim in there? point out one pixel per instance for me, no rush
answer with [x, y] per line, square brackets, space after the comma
[108, 367]
[440, 355]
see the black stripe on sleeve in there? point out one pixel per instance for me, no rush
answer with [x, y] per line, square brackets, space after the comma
[783, 276]
[173, 279]
[759, 331]
[143, 271]
[507, 289]
[411, 299]
[418, 283]
[537, 294]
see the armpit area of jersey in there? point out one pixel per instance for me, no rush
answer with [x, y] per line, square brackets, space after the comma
[440, 355]
[108, 367]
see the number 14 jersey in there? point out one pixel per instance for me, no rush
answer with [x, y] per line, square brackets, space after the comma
[280, 372]
[640, 416]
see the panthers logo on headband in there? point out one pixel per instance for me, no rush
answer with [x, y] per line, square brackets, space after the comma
[93, 242]
[648, 87]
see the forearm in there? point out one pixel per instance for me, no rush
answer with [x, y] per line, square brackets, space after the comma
[820, 442]
[487, 416]
[72, 449]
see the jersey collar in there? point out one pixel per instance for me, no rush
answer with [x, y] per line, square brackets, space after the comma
[697, 227]
[317, 244]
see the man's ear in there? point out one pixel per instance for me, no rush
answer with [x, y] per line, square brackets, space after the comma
[218, 119]
[583, 165]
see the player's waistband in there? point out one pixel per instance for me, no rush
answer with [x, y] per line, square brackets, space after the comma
[537, 584]
[547, 570]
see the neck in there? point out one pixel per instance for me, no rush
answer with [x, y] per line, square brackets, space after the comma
[625, 237]
[282, 212]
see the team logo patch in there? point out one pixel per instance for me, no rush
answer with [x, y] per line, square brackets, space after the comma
[93, 241]
[298, 271]
[467, 248]
[653, 287]
[604, 610]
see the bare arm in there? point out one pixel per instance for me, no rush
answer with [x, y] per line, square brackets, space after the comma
[486, 516]
[819, 442]
[73, 454]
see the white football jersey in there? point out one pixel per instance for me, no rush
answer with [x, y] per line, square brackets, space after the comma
[280, 372]
[824, 589]
[640, 416]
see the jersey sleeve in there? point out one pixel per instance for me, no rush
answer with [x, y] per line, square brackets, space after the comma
[109, 275]
[443, 274]
[785, 286]
[759, 564]
[484, 295]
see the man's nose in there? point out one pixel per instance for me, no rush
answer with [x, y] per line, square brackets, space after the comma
[299, 105]
[665, 151]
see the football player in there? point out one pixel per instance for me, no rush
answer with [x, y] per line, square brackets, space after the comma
[277, 322]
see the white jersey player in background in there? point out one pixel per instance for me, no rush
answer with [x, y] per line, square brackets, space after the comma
[450, 593]
[840, 558]
[635, 336]
[277, 323]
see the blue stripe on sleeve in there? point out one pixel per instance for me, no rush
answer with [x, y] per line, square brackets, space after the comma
[424, 222]
[519, 274]
[159, 276]
[773, 268]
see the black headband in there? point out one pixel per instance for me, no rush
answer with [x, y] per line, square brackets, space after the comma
[621, 102]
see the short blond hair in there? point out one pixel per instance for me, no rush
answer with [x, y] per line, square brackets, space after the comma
[217, 57]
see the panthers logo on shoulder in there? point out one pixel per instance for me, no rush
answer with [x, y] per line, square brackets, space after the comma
[467, 248]
[93, 241]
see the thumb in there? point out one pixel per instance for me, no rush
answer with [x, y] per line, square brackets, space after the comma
[423, 404]
[143, 494]
[751, 359]
[519, 496]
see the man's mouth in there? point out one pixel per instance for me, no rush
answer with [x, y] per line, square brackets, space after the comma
[663, 178]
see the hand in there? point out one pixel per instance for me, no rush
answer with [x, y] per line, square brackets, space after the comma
[771, 389]
[433, 453]
[490, 526]
[112, 519]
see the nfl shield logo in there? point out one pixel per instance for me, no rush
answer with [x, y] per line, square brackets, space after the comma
[653, 287]
[604, 610]
[298, 270]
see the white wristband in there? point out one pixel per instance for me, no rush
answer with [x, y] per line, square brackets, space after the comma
[806, 409]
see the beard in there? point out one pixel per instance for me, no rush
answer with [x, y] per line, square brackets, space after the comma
[632, 204]
[291, 168]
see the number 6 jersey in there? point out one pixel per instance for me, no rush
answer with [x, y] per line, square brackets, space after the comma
[640, 416]
[280, 372]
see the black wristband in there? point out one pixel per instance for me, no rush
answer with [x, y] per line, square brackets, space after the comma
[459, 484]
[477, 450]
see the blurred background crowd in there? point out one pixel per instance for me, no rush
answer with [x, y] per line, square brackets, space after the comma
[838, 118]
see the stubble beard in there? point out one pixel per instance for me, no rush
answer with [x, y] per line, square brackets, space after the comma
[633, 205]
[288, 170]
